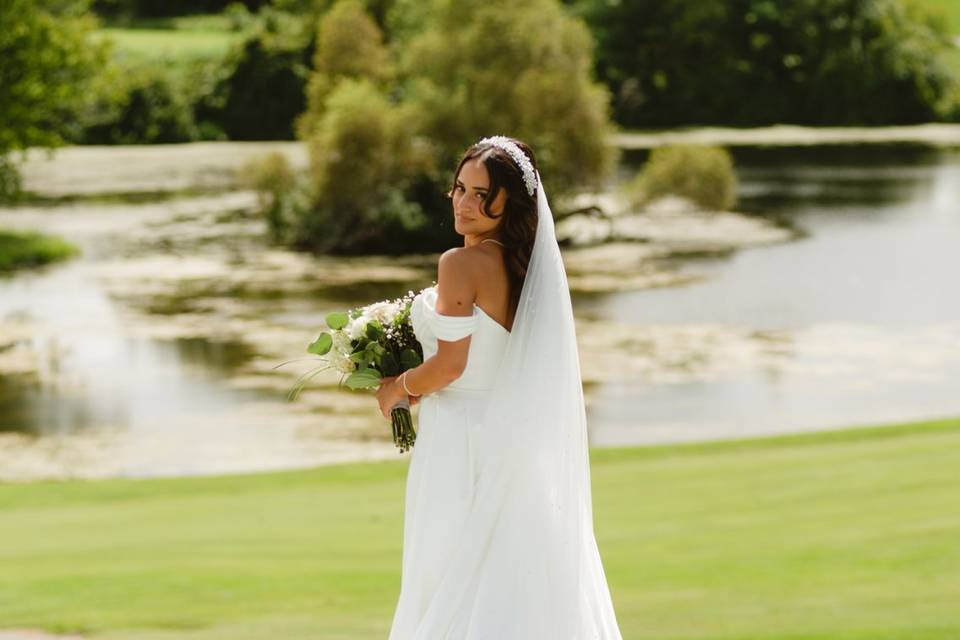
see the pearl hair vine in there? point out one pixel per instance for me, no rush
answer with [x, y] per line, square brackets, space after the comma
[519, 157]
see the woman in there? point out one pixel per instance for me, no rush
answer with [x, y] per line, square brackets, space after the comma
[498, 530]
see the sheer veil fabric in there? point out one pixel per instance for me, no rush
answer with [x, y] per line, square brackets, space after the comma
[527, 564]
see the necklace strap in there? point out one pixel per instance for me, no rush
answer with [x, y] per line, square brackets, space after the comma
[493, 240]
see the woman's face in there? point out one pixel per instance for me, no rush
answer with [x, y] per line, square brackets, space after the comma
[469, 192]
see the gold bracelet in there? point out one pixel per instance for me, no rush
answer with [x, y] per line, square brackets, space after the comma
[403, 380]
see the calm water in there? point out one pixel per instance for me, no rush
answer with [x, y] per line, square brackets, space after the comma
[856, 322]
[867, 302]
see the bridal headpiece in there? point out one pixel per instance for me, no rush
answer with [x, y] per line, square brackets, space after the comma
[519, 157]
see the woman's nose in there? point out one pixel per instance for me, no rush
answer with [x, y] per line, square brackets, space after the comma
[464, 204]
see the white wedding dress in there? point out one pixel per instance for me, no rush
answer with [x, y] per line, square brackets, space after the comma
[468, 572]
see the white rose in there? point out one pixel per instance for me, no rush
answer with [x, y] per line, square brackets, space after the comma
[385, 311]
[358, 326]
[341, 342]
[342, 362]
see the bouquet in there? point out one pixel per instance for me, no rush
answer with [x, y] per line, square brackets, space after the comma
[367, 344]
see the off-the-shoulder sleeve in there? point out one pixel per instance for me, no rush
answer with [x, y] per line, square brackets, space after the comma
[449, 328]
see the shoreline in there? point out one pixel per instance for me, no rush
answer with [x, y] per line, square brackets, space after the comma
[80, 169]
[937, 134]
[799, 437]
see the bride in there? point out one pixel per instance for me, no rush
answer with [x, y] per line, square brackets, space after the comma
[498, 540]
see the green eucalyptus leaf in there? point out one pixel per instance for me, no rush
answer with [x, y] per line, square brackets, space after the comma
[363, 379]
[389, 365]
[337, 320]
[409, 359]
[374, 330]
[321, 346]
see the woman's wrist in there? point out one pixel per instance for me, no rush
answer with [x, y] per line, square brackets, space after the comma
[403, 382]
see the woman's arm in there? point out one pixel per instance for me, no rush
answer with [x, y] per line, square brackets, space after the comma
[456, 294]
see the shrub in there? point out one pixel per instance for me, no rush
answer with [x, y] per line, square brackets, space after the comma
[362, 162]
[19, 250]
[144, 106]
[261, 89]
[383, 136]
[47, 63]
[349, 45]
[278, 191]
[521, 69]
[704, 174]
[10, 181]
[754, 62]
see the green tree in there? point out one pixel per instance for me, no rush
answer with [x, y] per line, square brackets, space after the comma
[521, 69]
[749, 62]
[257, 92]
[47, 62]
[390, 112]
[362, 164]
[349, 45]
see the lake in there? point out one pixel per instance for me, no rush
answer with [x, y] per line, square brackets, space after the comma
[155, 353]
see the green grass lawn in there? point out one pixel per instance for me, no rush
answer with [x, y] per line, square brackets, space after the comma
[847, 535]
[168, 45]
[176, 40]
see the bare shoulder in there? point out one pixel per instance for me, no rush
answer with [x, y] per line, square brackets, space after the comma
[457, 273]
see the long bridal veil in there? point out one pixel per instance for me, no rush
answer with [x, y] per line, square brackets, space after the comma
[528, 564]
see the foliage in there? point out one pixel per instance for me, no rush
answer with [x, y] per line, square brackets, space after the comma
[349, 45]
[10, 181]
[388, 114]
[260, 91]
[365, 167]
[704, 174]
[19, 250]
[281, 192]
[362, 161]
[46, 66]
[138, 107]
[154, 8]
[749, 62]
[475, 69]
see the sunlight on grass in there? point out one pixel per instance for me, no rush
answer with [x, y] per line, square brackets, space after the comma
[146, 45]
[841, 535]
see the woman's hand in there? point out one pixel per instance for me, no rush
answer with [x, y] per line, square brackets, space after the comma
[391, 392]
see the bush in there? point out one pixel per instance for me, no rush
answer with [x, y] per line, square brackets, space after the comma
[362, 162]
[755, 62]
[19, 250]
[47, 63]
[520, 69]
[349, 44]
[383, 136]
[261, 87]
[280, 193]
[10, 180]
[701, 173]
[144, 106]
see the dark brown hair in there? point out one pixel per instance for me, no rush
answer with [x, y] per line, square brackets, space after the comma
[518, 227]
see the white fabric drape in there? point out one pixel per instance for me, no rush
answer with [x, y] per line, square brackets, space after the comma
[527, 564]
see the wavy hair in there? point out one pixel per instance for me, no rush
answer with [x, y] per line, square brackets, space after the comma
[518, 227]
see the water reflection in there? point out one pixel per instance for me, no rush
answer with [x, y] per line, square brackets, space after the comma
[866, 294]
[848, 324]
[88, 372]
